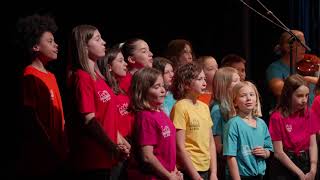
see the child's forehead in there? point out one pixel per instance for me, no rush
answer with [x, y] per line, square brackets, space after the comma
[301, 89]
[246, 88]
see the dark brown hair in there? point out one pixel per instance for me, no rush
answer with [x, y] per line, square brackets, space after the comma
[105, 69]
[175, 49]
[291, 84]
[230, 59]
[160, 63]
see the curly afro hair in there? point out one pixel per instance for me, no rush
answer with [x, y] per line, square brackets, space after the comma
[31, 28]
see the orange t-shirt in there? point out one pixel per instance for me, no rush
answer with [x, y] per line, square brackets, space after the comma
[205, 97]
[41, 95]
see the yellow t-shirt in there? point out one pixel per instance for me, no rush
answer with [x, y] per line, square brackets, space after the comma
[196, 121]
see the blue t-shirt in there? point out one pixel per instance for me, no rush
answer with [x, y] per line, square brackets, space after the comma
[280, 70]
[218, 121]
[168, 103]
[239, 141]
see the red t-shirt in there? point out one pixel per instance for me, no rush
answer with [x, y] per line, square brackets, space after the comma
[93, 96]
[41, 94]
[126, 118]
[125, 82]
[294, 131]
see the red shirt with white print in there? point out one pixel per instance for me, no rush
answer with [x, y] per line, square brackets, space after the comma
[92, 96]
[126, 118]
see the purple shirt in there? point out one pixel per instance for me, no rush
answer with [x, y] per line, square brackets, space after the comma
[157, 130]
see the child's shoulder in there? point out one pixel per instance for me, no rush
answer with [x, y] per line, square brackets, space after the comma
[82, 76]
[261, 121]
[148, 113]
[276, 114]
[215, 107]
[30, 70]
[202, 103]
[234, 120]
[181, 103]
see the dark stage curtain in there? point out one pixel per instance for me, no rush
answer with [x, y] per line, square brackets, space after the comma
[305, 15]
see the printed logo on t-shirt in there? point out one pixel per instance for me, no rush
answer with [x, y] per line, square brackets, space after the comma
[194, 124]
[104, 96]
[165, 131]
[289, 127]
[51, 94]
[123, 109]
[246, 151]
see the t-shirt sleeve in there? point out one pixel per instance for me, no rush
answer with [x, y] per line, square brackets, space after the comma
[230, 139]
[273, 72]
[217, 124]
[29, 83]
[274, 127]
[315, 113]
[84, 92]
[179, 116]
[314, 122]
[267, 139]
[147, 131]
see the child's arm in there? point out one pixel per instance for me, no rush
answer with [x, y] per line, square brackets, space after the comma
[93, 128]
[183, 157]
[123, 146]
[150, 159]
[218, 144]
[213, 158]
[313, 154]
[285, 160]
[233, 167]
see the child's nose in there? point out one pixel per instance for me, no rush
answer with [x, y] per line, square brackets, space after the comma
[204, 83]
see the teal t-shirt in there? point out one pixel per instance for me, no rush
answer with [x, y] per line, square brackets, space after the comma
[239, 141]
[168, 103]
[280, 70]
[218, 121]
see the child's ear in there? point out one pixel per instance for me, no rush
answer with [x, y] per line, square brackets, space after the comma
[109, 67]
[36, 48]
[131, 60]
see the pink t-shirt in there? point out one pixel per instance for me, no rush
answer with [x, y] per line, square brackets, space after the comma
[315, 110]
[294, 131]
[126, 118]
[92, 96]
[156, 129]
